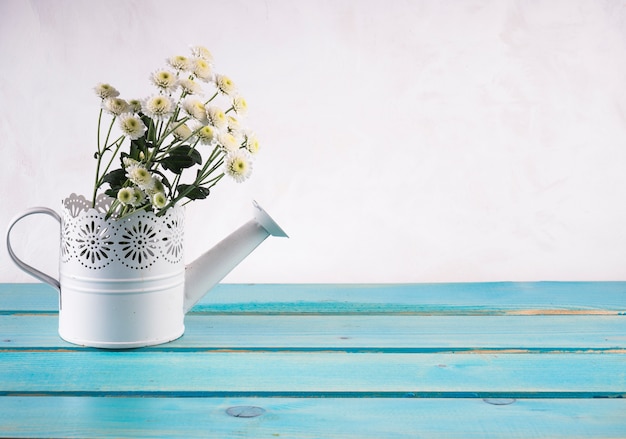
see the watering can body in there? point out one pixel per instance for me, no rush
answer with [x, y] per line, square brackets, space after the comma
[123, 284]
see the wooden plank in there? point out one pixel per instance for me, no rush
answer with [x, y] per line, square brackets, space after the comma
[358, 333]
[311, 418]
[216, 373]
[421, 299]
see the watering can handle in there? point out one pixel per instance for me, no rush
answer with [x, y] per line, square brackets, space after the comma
[24, 266]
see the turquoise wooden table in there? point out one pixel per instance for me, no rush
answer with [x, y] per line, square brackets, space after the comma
[493, 360]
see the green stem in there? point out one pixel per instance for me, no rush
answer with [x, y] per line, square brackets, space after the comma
[106, 140]
[202, 178]
[214, 181]
[119, 142]
[100, 155]
[212, 97]
[168, 132]
[99, 158]
[112, 209]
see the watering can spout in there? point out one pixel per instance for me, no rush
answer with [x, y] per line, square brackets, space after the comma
[210, 268]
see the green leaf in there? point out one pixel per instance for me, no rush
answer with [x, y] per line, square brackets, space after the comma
[149, 123]
[116, 179]
[194, 192]
[188, 151]
[164, 179]
[136, 146]
[176, 163]
[180, 158]
[111, 193]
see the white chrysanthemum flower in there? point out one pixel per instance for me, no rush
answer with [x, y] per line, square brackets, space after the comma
[140, 197]
[140, 176]
[127, 161]
[180, 63]
[158, 186]
[195, 108]
[238, 166]
[106, 91]
[159, 200]
[132, 126]
[225, 84]
[228, 142]
[182, 132]
[190, 86]
[206, 134]
[158, 107]
[202, 53]
[134, 105]
[240, 105]
[233, 124]
[155, 186]
[202, 69]
[115, 106]
[165, 80]
[217, 117]
[126, 196]
[252, 144]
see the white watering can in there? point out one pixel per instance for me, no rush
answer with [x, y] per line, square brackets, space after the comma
[123, 284]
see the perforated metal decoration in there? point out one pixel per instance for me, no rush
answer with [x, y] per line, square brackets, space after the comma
[136, 242]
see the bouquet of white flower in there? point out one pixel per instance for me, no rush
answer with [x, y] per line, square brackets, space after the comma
[177, 129]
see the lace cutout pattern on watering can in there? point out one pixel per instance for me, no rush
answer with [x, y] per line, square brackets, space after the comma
[136, 242]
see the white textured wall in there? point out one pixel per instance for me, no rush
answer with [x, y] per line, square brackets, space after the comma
[403, 141]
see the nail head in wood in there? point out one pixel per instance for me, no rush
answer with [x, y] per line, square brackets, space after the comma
[245, 411]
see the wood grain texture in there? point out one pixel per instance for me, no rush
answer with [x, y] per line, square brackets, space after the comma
[528, 360]
[358, 418]
[495, 298]
[358, 333]
[314, 373]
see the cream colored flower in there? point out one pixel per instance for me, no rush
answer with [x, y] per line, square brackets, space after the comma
[190, 86]
[228, 142]
[238, 166]
[212, 121]
[134, 105]
[240, 105]
[158, 186]
[206, 134]
[233, 124]
[158, 107]
[132, 126]
[195, 108]
[180, 63]
[225, 84]
[126, 196]
[127, 161]
[217, 117]
[140, 197]
[182, 132]
[165, 80]
[202, 53]
[115, 106]
[252, 144]
[159, 200]
[202, 69]
[106, 91]
[140, 176]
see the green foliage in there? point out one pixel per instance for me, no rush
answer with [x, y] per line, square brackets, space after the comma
[180, 158]
[175, 150]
